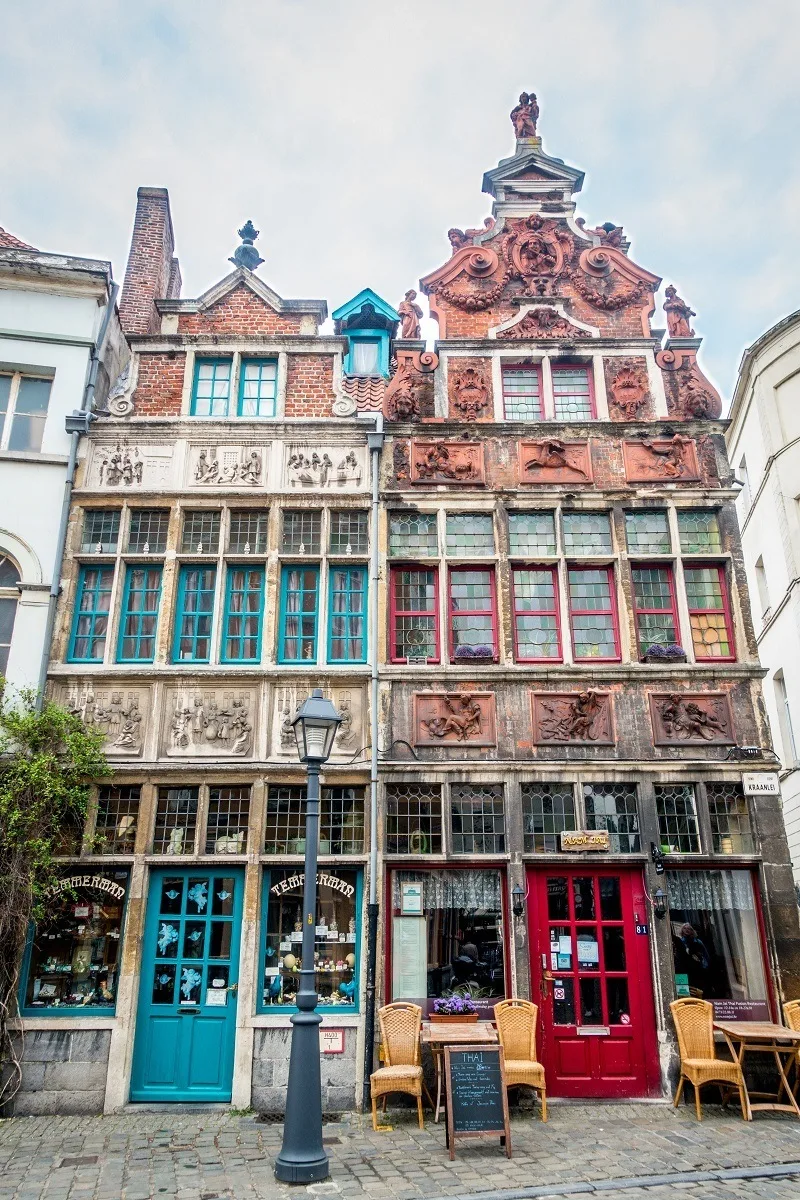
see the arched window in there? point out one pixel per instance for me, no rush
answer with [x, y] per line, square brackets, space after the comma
[9, 596]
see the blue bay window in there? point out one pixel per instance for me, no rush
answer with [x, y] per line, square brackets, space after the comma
[194, 614]
[137, 629]
[347, 614]
[90, 622]
[297, 627]
[258, 387]
[244, 608]
[211, 392]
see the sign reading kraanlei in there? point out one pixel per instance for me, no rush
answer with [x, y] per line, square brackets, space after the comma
[585, 839]
[295, 882]
[761, 783]
[99, 882]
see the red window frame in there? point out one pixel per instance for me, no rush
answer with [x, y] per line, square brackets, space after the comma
[691, 565]
[552, 570]
[491, 611]
[589, 612]
[673, 609]
[395, 612]
[536, 368]
[575, 366]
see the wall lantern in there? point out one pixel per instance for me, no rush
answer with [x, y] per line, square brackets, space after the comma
[315, 728]
[659, 904]
[518, 901]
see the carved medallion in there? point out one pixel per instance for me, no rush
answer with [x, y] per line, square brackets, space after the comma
[661, 459]
[454, 718]
[536, 250]
[545, 323]
[470, 395]
[446, 462]
[549, 460]
[569, 717]
[209, 723]
[680, 718]
[627, 391]
[120, 714]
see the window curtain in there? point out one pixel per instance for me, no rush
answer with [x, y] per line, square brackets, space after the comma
[721, 906]
[452, 889]
[364, 358]
[712, 890]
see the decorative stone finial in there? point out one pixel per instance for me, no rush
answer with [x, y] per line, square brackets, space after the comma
[246, 255]
[525, 116]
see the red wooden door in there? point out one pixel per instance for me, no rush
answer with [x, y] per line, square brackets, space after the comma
[593, 981]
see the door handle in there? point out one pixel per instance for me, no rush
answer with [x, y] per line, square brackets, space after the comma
[546, 978]
[234, 987]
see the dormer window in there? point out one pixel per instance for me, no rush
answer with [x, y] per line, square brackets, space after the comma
[369, 324]
[365, 356]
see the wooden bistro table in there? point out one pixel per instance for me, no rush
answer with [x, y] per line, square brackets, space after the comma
[762, 1037]
[438, 1034]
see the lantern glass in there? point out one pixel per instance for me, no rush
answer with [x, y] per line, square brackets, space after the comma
[315, 727]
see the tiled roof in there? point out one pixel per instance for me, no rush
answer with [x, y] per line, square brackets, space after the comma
[366, 390]
[13, 243]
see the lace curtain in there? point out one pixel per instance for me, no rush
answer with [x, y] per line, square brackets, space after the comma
[452, 889]
[711, 890]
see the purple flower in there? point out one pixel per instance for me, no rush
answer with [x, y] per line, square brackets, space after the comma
[455, 1006]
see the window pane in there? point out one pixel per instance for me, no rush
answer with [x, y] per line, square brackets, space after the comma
[612, 806]
[677, 821]
[194, 615]
[587, 533]
[148, 531]
[349, 531]
[364, 357]
[347, 614]
[176, 821]
[100, 530]
[470, 533]
[299, 614]
[532, 533]
[258, 388]
[30, 414]
[140, 614]
[91, 614]
[547, 808]
[301, 531]
[228, 817]
[8, 613]
[286, 819]
[212, 387]
[5, 394]
[200, 532]
[706, 598]
[571, 394]
[592, 614]
[478, 820]
[248, 533]
[522, 394]
[243, 614]
[655, 617]
[413, 534]
[471, 614]
[413, 818]
[699, 531]
[117, 819]
[342, 820]
[647, 532]
[535, 614]
[415, 626]
[730, 819]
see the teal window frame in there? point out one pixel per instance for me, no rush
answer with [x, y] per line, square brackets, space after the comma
[193, 615]
[137, 614]
[261, 363]
[355, 1007]
[242, 614]
[286, 572]
[94, 614]
[210, 400]
[349, 613]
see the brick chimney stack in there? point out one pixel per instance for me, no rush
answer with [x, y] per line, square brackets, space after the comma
[153, 272]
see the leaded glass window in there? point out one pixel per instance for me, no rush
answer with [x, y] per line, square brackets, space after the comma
[699, 531]
[677, 818]
[470, 534]
[547, 809]
[532, 533]
[413, 535]
[478, 820]
[587, 533]
[647, 531]
[612, 806]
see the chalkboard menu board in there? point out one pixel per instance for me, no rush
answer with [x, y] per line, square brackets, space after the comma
[477, 1102]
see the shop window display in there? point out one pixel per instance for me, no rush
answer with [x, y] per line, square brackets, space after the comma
[336, 942]
[73, 958]
[716, 943]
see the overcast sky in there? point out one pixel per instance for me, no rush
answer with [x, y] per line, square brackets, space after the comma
[354, 134]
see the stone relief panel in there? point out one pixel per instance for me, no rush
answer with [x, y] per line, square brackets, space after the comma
[538, 323]
[454, 718]
[549, 460]
[470, 393]
[628, 389]
[326, 468]
[571, 717]
[209, 722]
[447, 462]
[121, 714]
[212, 466]
[127, 465]
[661, 460]
[350, 701]
[680, 717]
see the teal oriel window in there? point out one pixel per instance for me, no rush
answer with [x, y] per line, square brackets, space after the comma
[258, 387]
[137, 630]
[192, 642]
[211, 392]
[244, 608]
[347, 614]
[90, 623]
[297, 638]
[369, 324]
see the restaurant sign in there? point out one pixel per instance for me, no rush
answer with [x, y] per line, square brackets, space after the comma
[585, 839]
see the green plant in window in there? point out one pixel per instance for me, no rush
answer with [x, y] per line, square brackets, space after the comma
[46, 759]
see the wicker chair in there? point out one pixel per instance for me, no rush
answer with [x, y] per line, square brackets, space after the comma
[400, 1026]
[694, 1022]
[791, 1015]
[516, 1028]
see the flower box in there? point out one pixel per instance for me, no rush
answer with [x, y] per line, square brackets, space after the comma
[665, 654]
[454, 1018]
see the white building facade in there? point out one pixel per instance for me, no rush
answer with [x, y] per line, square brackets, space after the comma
[764, 450]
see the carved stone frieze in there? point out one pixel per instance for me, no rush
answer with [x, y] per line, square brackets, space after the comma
[627, 388]
[351, 735]
[209, 722]
[661, 459]
[454, 718]
[211, 466]
[546, 323]
[471, 397]
[129, 465]
[569, 717]
[329, 468]
[549, 460]
[446, 462]
[401, 460]
[680, 717]
[119, 713]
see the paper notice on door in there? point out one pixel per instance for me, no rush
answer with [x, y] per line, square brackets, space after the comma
[588, 951]
[565, 944]
[216, 997]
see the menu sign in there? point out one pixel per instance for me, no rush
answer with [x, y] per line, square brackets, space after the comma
[477, 1101]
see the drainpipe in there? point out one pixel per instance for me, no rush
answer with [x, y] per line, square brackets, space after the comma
[77, 423]
[375, 443]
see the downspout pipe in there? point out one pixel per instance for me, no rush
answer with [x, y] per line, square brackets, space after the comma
[77, 423]
[375, 442]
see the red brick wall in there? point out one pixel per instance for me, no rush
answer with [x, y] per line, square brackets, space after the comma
[151, 270]
[240, 312]
[159, 385]
[309, 385]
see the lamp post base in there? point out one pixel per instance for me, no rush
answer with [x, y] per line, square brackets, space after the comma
[304, 1171]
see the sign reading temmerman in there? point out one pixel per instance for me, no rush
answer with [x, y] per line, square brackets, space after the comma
[585, 839]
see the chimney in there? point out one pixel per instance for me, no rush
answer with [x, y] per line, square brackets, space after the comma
[153, 272]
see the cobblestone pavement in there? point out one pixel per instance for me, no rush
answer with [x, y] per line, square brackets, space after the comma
[227, 1156]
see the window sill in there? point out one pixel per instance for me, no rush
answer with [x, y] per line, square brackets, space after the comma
[51, 460]
[345, 1018]
[81, 1020]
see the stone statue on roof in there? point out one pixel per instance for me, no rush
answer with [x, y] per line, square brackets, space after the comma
[410, 315]
[678, 314]
[525, 116]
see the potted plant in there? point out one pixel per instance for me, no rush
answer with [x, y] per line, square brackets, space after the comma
[669, 652]
[472, 652]
[454, 1008]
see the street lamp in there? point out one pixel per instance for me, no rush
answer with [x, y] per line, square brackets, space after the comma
[302, 1158]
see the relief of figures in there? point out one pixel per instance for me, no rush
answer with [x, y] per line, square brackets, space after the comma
[454, 717]
[121, 466]
[572, 717]
[323, 468]
[660, 459]
[231, 466]
[124, 466]
[446, 462]
[703, 717]
[350, 736]
[116, 714]
[200, 726]
[549, 460]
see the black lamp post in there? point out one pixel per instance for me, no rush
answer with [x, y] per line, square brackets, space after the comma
[302, 1158]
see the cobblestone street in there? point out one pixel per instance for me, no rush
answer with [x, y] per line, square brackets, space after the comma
[603, 1150]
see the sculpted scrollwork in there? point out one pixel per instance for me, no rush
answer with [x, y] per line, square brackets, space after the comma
[601, 285]
[543, 323]
[409, 396]
[690, 396]
[118, 401]
[627, 392]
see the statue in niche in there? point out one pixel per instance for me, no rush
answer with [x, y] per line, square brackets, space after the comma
[550, 454]
[410, 315]
[684, 718]
[670, 459]
[577, 719]
[678, 314]
[525, 115]
[462, 717]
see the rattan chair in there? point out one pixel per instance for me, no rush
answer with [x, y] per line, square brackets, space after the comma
[791, 1015]
[516, 1028]
[694, 1022]
[400, 1026]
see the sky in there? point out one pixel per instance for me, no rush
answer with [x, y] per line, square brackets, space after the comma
[355, 133]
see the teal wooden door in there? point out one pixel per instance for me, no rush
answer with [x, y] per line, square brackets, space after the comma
[186, 1019]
